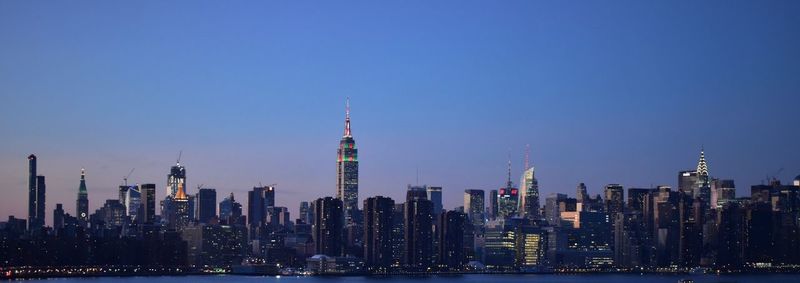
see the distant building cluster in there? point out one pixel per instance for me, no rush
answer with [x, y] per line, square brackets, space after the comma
[700, 224]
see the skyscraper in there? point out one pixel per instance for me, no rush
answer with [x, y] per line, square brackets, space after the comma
[36, 196]
[614, 199]
[131, 197]
[305, 212]
[435, 195]
[493, 202]
[722, 191]
[58, 217]
[258, 201]
[148, 202]
[176, 179]
[347, 169]
[507, 198]
[378, 215]
[418, 233]
[328, 226]
[82, 206]
[687, 181]
[529, 195]
[581, 195]
[451, 239]
[475, 206]
[179, 214]
[529, 190]
[230, 211]
[206, 204]
[703, 190]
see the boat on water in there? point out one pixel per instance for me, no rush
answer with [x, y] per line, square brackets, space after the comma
[686, 281]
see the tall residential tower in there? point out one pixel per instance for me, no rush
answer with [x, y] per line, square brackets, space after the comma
[36, 194]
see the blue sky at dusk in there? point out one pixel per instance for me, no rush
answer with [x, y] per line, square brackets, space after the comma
[603, 91]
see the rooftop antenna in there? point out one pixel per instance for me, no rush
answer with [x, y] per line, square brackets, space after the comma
[527, 156]
[125, 179]
[180, 153]
[509, 169]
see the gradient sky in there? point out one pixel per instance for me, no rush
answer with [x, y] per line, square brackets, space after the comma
[603, 91]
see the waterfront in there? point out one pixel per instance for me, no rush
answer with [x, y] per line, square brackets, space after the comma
[516, 278]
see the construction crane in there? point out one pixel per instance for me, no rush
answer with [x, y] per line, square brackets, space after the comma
[125, 179]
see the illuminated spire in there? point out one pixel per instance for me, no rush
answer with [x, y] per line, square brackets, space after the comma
[82, 187]
[702, 167]
[347, 118]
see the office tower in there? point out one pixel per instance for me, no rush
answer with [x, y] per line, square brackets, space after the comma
[418, 236]
[499, 246]
[192, 206]
[278, 217]
[378, 220]
[687, 181]
[434, 194]
[398, 234]
[347, 169]
[58, 217]
[531, 247]
[614, 199]
[230, 211]
[475, 206]
[666, 226]
[258, 201]
[82, 206]
[552, 211]
[631, 246]
[703, 190]
[305, 212]
[112, 213]
[690, 218]
[176, 179]
[581, 195]
[731, 239]
[529, 193]
[148, 202]
[493, 202]
[507, 198]
[722, 191]
[122, 194]
[178, 215]
[636, 199]
[451, 240]
[36, 196]
[416, 192]
[206, 204]
[131, 199]
[328, 226]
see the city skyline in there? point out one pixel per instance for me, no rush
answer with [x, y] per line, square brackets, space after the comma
[294, 207]
[625, 94]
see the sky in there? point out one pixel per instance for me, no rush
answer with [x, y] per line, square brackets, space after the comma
[253, 92]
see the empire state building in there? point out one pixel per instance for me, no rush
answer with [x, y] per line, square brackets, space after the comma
[347, 169]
